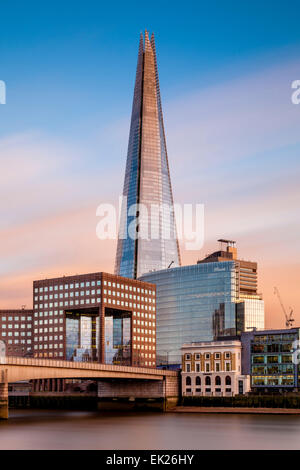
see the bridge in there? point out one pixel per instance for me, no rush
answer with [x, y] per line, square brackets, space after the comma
[114, 381]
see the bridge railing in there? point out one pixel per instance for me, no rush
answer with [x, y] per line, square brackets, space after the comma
[21, 361]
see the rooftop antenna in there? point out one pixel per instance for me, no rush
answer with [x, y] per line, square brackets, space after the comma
[172, 262]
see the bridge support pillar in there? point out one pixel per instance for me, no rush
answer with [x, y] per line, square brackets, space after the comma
[3, 394]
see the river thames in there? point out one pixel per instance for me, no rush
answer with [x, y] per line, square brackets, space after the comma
[58, 430]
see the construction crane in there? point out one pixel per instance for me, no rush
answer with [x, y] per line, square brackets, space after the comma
[288, 318]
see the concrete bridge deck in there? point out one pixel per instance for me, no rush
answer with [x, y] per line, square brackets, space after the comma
[16, 369]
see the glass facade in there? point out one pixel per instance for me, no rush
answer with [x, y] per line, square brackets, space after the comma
[250, 314]
[117, 337]
[194, 303]
[82, 337]
[272, 359]
[147, 237]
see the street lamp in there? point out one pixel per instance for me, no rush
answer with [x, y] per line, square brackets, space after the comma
[167, 353]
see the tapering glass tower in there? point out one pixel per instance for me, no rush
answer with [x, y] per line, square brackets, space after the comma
[147, 236]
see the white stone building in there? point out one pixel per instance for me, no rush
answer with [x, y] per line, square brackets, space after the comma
[213, 369]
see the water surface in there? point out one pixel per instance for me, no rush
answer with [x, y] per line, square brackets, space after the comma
[43, 429]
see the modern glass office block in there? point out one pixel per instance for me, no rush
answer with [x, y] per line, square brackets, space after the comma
[82, 337]
[250, 315]
[117, 337]
[268, 358]
[147, 235]
[194, 303]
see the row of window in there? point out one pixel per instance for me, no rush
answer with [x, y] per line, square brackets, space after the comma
[68, 303]
[144, 331]
[50, 354]
[88, 293]
[127, 304]
[17, 341]
[15, 333]
[75, 285]
[188, 357]
[48, 321]
[284, 358]
[208, 368]
[208, 390]
[16, 326]
[143, 323]
[208, 381]
[46, 338]
[78, 285]
[146, 339]
[45, 330]
[50, 346]
[4, 319]
[146, 347]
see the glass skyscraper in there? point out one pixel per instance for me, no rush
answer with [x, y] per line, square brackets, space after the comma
[147, 235]
[194, 303]
[200, 303]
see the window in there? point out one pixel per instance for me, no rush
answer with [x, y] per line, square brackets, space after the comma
[198, 380]
[207, 367]
[188, 381]
[207, 381]
[228, 380]
[218, 380]
[188, 368]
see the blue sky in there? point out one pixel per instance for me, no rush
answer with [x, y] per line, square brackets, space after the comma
[83, 54]
[233, 137]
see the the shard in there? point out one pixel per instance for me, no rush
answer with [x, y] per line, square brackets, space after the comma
[147, 235]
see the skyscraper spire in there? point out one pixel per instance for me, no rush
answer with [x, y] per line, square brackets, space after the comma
[147, 236]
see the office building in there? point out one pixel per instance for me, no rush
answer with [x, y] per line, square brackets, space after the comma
[95, 317]
[147, 236]
[246, 271]
[213, 369]
[201, 302]
[269, 360]
[16, 332]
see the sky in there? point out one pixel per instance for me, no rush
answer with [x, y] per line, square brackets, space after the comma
[226, 70]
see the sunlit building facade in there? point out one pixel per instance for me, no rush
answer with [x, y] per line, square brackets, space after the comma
[213, 369]
[16, 332]
[194, 303]
[269, 359]
[147, 235]
[96, 317]
[204, 302]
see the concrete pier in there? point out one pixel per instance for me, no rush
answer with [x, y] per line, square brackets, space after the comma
[3, 394]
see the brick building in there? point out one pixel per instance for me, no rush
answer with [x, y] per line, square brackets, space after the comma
[95, 317]
[16, 331]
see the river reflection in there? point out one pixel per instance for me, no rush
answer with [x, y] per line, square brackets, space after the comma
[43, 429]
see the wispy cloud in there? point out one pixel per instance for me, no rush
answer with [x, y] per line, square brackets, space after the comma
[234, 147]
